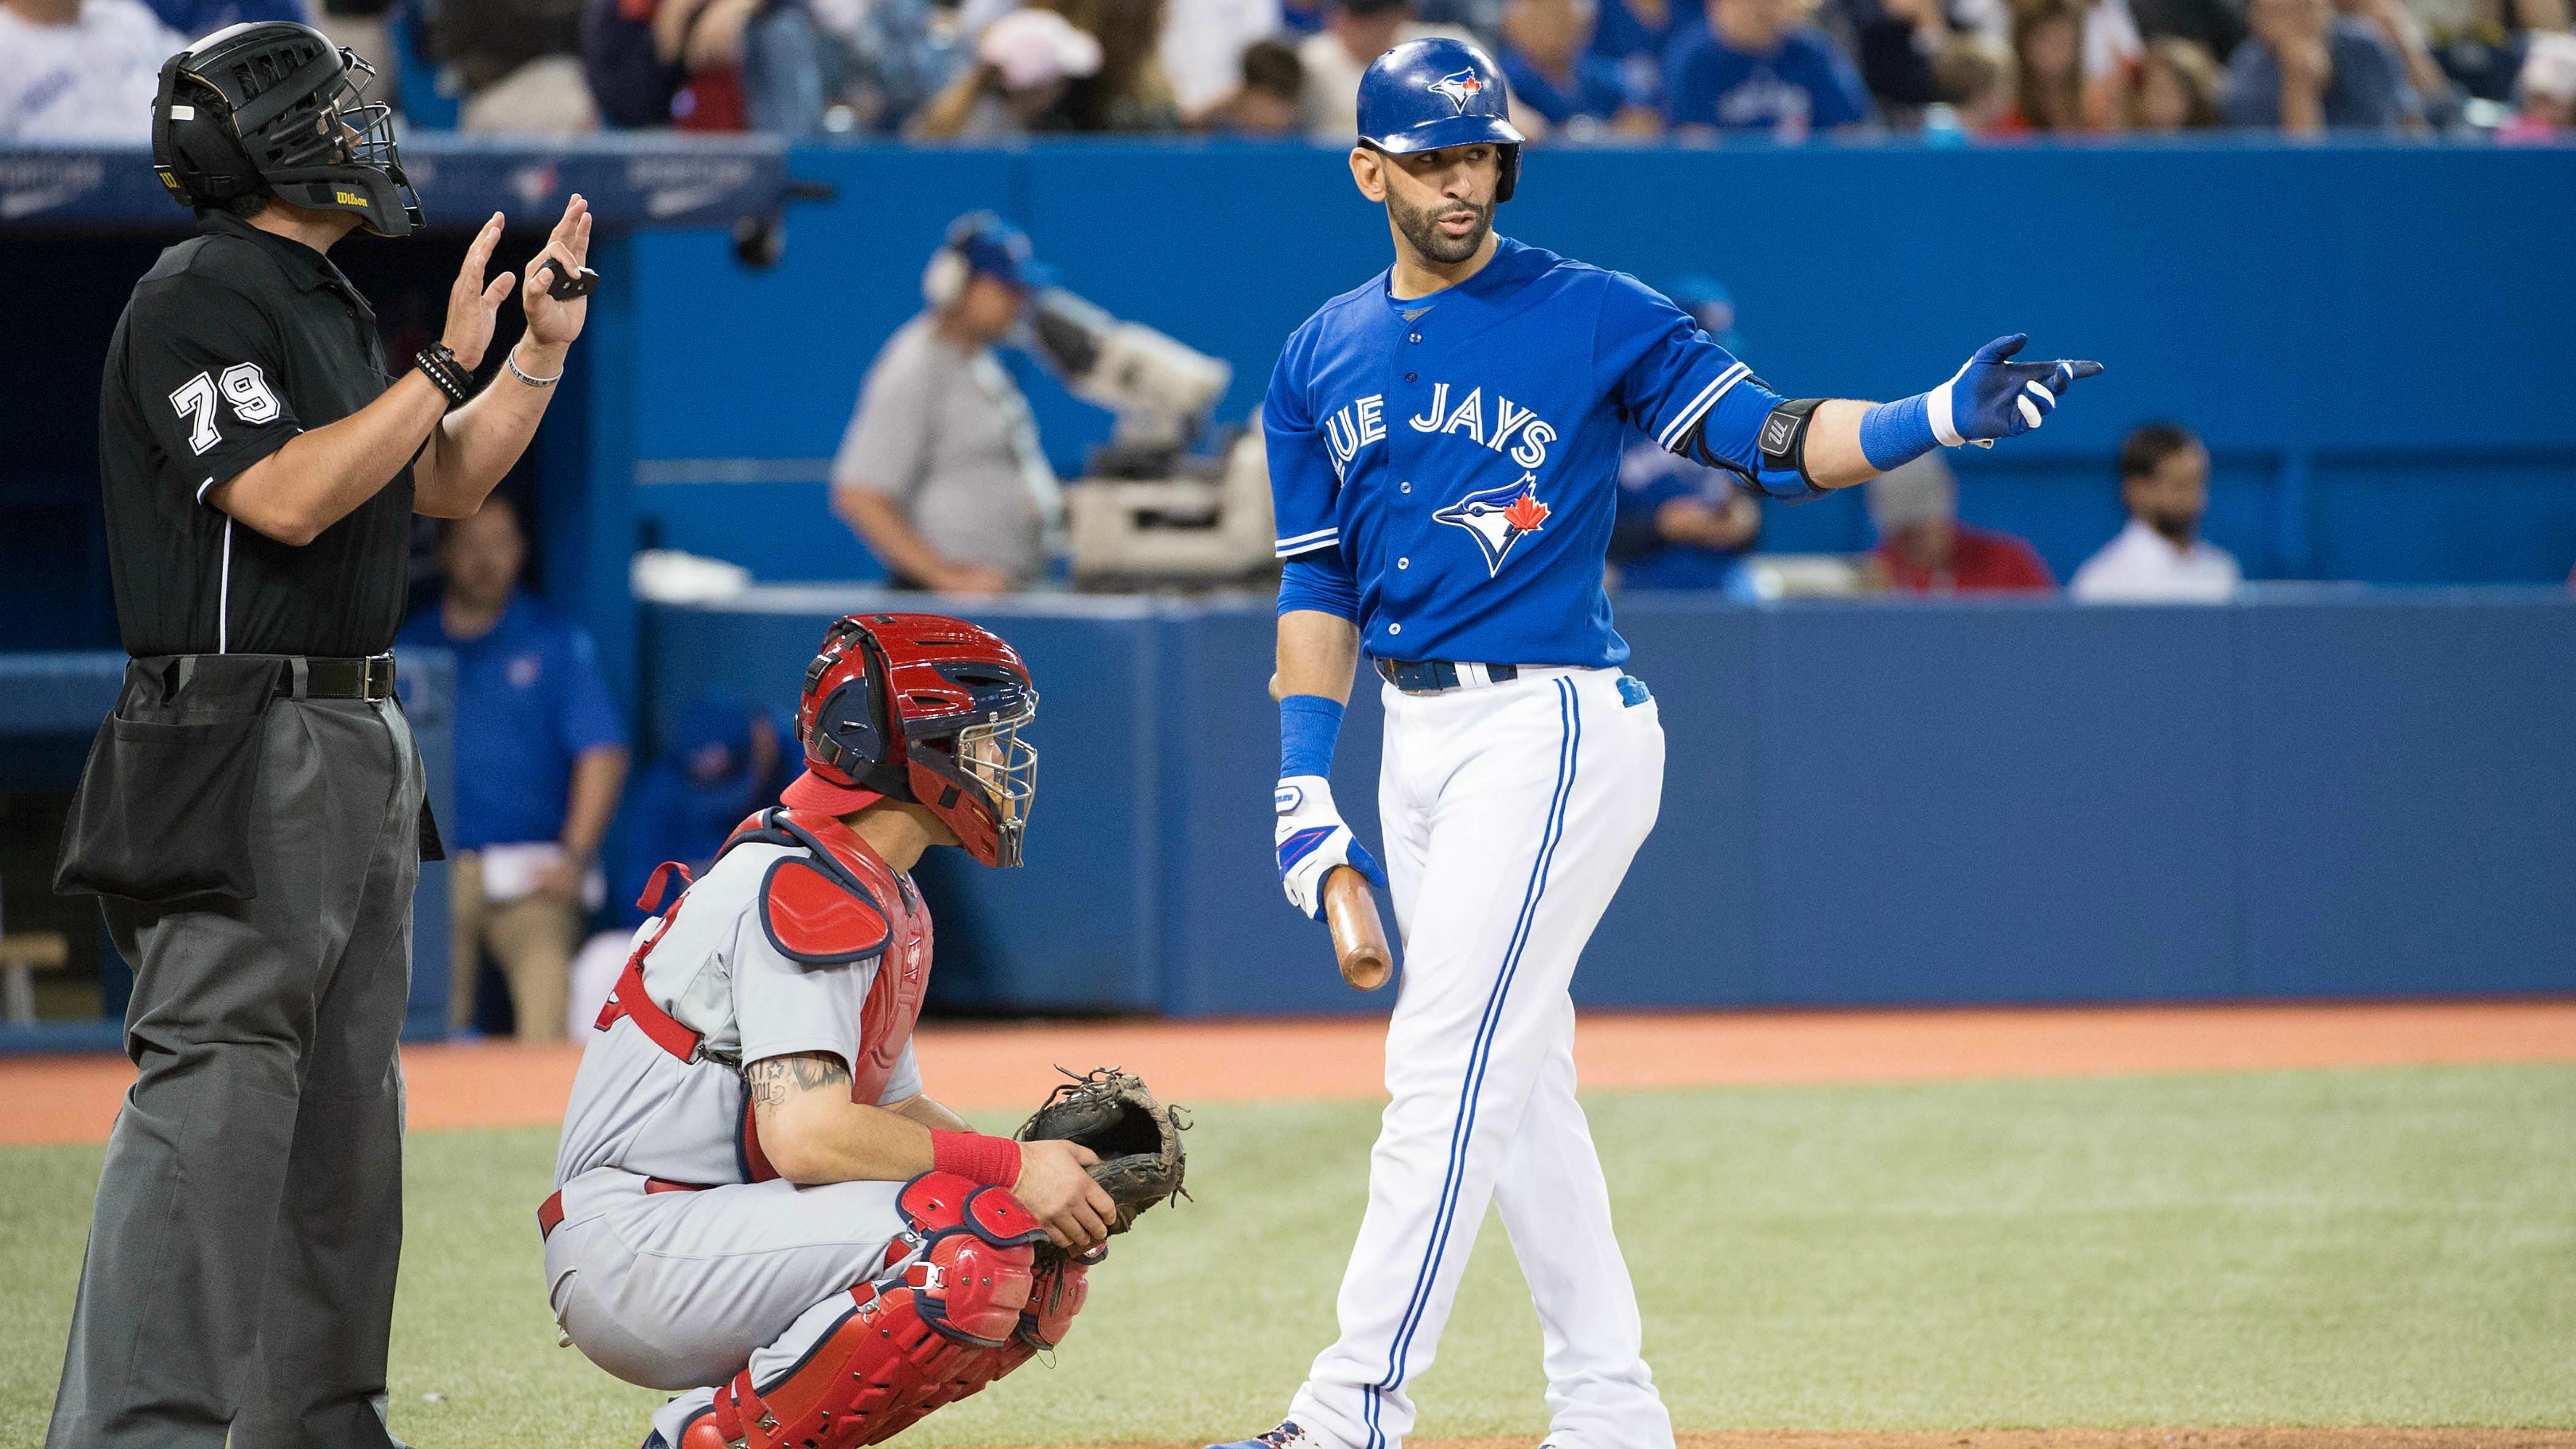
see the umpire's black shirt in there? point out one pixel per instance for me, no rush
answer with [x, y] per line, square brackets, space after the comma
[234, 342]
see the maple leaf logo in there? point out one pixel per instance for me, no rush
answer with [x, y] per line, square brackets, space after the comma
[1498, 517]
[1459, 87]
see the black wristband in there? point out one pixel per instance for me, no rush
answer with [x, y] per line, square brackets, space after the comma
[444, 372]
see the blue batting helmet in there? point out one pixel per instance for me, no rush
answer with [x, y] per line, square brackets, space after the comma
[1427, 94]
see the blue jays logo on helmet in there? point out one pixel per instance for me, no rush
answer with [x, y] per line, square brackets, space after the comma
[1459, 86]
[1434, 93]
[1498, 518]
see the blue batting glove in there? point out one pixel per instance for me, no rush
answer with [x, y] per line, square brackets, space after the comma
[1994, 398]
[1312, 842]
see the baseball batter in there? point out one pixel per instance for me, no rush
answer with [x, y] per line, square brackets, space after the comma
[755, 1202]
[1444, 448]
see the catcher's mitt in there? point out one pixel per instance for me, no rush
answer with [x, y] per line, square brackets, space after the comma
[1137, 1138]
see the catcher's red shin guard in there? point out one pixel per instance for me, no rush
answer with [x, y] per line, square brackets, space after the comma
[963, 1308]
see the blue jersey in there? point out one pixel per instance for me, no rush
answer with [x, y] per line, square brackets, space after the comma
[1803, 85]
[1459, 453]
[529, 702]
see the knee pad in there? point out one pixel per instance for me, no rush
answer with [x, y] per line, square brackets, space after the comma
[962, 1304]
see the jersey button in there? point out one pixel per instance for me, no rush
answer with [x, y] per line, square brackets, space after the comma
[1404, 563]
[1395, 628]
[1413, 337]
[1405, 487]
[1412, 376]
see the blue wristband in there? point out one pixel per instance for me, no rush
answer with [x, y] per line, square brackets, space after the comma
[1896, 433]
[1309, 725]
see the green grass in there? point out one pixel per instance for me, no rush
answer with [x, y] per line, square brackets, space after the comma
[2326, 1247]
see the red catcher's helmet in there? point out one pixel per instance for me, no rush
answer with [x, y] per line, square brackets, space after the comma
[922, 708]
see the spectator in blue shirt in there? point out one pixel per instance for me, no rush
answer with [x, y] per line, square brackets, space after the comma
[722, 764]
[1753, 66]
[1636, 34]
[1680, 524]
[2305, 69]
[1558, 85]
[539, 759]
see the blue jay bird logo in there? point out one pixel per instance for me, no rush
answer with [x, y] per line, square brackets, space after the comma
[1460, 87]
[1498, 518]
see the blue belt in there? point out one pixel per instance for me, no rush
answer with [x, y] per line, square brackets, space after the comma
[1430, 676]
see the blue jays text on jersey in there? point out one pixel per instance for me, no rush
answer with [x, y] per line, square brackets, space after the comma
[1459, 453]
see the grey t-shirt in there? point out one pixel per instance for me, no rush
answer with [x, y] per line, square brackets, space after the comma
[637, 1107]
[948, 436]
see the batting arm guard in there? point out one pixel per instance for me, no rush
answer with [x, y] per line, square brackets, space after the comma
[1772, 456]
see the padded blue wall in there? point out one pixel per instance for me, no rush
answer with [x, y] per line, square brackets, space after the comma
[2323, 793]
[2374, 338]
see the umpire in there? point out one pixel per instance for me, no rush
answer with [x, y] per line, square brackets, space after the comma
[252, 815]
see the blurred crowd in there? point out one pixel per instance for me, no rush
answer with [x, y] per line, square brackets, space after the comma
[1580, 70]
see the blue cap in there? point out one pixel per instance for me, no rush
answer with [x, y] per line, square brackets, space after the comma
[997, 249]
[1426, 94]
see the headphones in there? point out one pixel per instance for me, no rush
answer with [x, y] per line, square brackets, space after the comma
[945, 279]
[950, 269]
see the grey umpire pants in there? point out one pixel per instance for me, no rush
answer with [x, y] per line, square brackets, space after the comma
[240, 1273]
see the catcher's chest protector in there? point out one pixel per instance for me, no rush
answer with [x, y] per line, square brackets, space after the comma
[965, 1305]
[840, 902]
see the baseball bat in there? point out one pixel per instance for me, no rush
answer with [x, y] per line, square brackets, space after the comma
[1359, 937]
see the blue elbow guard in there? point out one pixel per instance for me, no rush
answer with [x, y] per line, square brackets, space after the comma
[1781, 448]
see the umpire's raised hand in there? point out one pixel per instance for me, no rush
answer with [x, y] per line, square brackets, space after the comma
[553, 322]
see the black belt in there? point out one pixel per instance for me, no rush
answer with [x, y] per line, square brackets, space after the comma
[302, 676]
[1430, 676]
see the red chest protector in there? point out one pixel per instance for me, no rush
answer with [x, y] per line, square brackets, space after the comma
[839, 902]
[831, 900]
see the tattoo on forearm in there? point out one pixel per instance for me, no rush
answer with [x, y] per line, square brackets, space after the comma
[775, 1079]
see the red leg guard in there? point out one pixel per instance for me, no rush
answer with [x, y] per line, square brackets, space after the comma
[963, 1310]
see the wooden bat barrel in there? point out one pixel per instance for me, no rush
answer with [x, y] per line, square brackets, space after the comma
[1359, 937]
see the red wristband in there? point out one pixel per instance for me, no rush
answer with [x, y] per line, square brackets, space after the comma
[994, 1161]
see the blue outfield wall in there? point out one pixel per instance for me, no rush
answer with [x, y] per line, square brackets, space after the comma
[2373, 337]
[2314, 793]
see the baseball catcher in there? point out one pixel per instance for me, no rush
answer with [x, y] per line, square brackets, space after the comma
[755, 1201]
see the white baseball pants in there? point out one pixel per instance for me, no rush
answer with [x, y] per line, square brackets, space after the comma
[1510, 813]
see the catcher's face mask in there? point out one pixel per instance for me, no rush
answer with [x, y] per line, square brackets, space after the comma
[983, 782]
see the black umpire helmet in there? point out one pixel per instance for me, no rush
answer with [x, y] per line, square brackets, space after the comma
[272, 106]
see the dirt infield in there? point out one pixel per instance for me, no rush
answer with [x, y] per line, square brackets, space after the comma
[74, 1099]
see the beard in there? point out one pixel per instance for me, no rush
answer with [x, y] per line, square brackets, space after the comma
[1421, 229]
[2179, 528]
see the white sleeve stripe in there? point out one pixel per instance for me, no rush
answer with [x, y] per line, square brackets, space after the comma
[1299, 538]
[204, 487]
[1700, 405]
[1308, 544]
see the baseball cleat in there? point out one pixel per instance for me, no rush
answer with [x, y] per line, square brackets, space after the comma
[1286, 1436]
